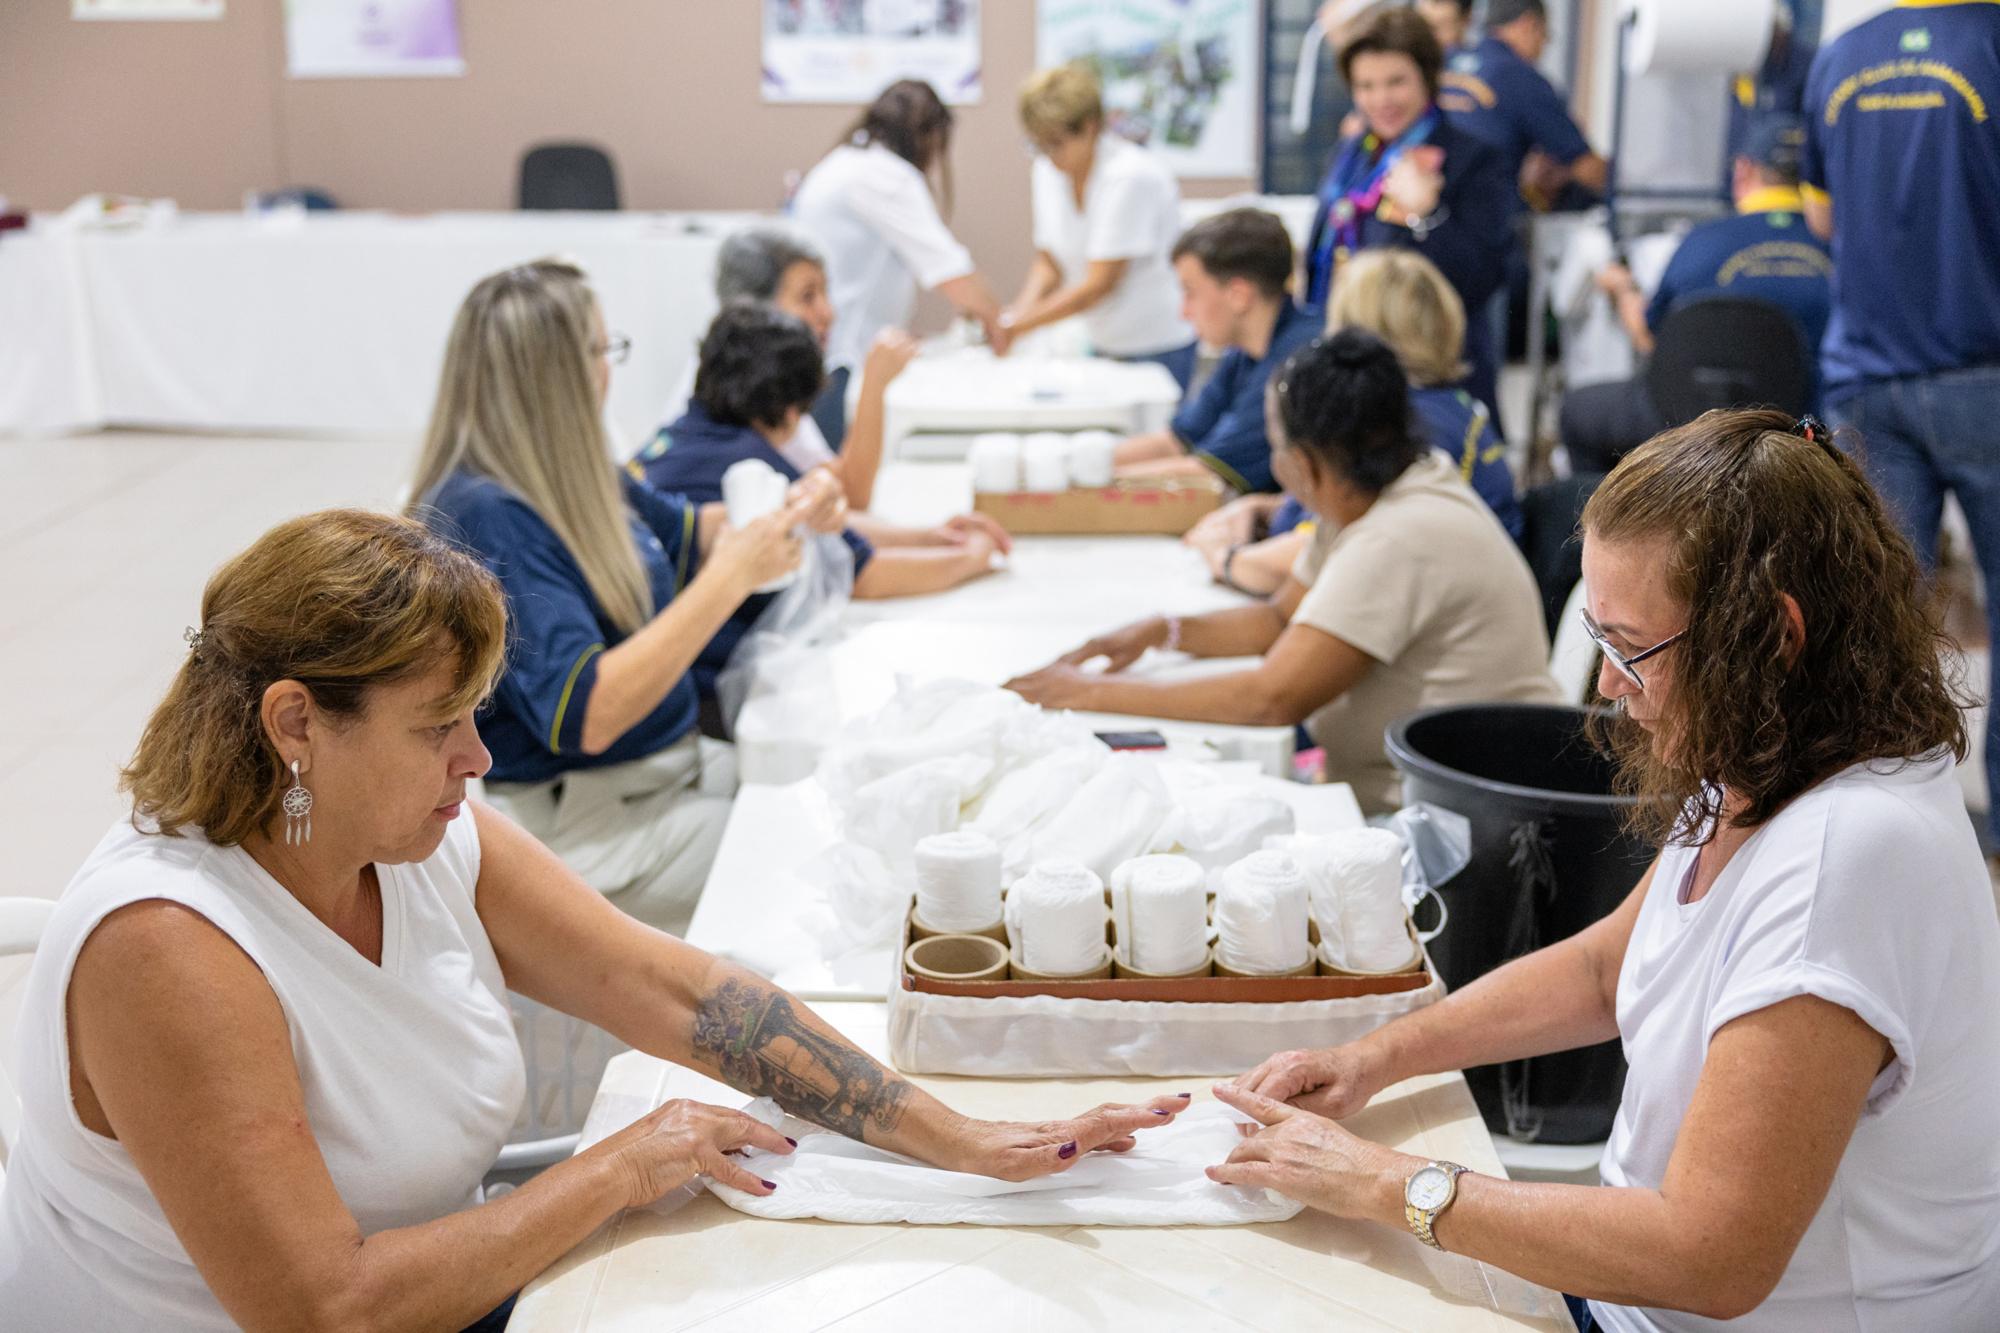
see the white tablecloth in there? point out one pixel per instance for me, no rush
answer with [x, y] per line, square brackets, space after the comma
[331, 322]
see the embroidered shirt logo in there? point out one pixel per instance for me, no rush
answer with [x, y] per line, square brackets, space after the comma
[1917, 39]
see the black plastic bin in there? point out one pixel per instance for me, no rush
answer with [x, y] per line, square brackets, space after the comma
[1549, 857]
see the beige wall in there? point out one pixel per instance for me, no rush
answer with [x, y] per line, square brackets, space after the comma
[202, 111]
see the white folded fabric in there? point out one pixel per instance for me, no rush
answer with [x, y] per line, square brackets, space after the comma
[1260, 916]
[1160, 1183]
[1160, 907]
[1220, 826]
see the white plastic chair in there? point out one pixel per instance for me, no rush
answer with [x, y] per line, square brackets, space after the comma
[1573, 659]
[22, 921]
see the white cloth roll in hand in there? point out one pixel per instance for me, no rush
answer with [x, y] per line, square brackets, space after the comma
[1356, 883]
[1260, 916]
[1055, 917]
[1159, 906]
[958, 881]
[752, 488]
[1045, 462]
[996, 463]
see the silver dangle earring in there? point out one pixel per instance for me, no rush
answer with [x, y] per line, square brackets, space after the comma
[298, 803]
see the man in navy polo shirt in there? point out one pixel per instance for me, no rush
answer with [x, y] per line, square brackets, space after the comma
[1494, 91]
[1235, 270]
[1902, 171]
[1766, 252]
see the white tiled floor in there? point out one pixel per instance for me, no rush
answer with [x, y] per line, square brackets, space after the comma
[108, 542]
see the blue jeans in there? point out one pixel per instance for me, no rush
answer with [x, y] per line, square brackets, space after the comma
[1924, 436]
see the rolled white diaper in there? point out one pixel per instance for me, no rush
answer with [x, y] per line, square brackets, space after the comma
[1159, 905]
[1092, 454]
[1260, 916]
[996, 463]
[1055, 915]
[1045, 462]
[958, 881]
[1356, 884]
[752, 488]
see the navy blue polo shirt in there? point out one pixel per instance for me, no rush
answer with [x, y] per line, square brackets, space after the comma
[1903, 132]
[557, 629]
[1223, 425]
[1766, 253]
[687, 458]
[1492, 93]
[1462, 430]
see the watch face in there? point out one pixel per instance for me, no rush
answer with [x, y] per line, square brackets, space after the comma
[1429, 1188]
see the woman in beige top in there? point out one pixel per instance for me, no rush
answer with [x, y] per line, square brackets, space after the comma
[1411, 595]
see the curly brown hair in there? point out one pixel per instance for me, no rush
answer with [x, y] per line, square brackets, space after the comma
[1401, 32]
[1750, 511]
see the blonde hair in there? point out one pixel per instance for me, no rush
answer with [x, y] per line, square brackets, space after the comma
[341, 601]
[516, 404]
[1401, 298]
[1061, 101]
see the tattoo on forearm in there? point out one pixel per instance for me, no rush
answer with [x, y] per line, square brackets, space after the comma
[759, 1042]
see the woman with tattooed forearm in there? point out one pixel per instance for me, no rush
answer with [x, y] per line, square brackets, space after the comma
[267, 1053]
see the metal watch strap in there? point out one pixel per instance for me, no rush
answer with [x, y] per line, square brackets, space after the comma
[1421, 1219]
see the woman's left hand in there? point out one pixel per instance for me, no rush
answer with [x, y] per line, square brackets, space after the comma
[1027, 1150]
[955, 531]
[1058, 685]
[820, 499]
[1313, 1160]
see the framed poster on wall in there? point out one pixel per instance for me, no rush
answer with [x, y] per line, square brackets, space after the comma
[146, 9]
[846, 51]
[1183, 77]
[372, 39]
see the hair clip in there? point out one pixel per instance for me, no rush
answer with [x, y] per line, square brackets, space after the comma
[1812, 429]
[196, 638]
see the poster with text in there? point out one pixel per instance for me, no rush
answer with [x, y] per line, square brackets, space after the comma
[846, 51]
[145, 9]
[367, 39]
[1180, 76]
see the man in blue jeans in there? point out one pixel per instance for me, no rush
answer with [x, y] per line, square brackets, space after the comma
[1902, 173]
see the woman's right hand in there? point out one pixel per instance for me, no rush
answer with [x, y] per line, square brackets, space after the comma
[1335, 1081]
[760, 551]
[1121, 647]
[681, 1140]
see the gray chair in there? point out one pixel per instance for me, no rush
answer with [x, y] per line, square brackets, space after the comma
[568, 176]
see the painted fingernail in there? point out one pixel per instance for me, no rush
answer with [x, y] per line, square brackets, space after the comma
[789, 1139]
[1184, 1095]
[1163, 1113]
[1067, 1151]
[770, 1184]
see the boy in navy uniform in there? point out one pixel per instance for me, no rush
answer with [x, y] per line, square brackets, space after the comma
[1766, 252]
[1902, 171]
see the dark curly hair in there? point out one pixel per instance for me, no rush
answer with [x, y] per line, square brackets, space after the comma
[1345, 400]
[1751, 511]
[1401, 32]
[757, 362]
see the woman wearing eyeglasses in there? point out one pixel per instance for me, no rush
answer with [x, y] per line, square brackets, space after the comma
[1409, 596]
[1807, 980]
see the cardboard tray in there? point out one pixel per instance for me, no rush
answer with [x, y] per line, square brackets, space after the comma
[1163, 506]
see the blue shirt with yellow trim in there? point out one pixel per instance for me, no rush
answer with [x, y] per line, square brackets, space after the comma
[557, 629]
[1492, 93]
[1903, 131]
[1460, 428]
[688, 457]
[1223, 425]
[1765, 253]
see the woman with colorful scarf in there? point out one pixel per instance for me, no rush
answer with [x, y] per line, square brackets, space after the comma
[1411, 179]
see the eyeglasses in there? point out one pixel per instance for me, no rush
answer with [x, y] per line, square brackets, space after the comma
[1626, 666]
[613, 349]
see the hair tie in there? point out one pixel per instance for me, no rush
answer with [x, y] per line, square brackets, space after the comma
[1812, 430]
[196, 639]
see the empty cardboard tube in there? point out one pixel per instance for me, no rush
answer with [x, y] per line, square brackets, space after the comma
[958, 958]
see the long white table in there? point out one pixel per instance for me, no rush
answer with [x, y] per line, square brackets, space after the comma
[324, 322]
[706, 1267]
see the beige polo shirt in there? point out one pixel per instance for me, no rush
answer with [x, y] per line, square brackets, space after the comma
[1429, 585]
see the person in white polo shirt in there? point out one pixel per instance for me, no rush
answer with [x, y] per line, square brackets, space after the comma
[870, 206]
[1106, 215]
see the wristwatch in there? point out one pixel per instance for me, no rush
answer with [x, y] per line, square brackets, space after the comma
[1428, 1192]
[1422, 227]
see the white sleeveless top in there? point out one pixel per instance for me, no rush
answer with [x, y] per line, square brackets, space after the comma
[411, 1072]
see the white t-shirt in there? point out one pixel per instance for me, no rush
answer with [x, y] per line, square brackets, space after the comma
[1131, 211]
[411, 1072]
[1867, 891]
[872, 214]
[806, 450]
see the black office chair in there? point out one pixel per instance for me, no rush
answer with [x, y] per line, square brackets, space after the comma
[309, 197]
[1728, 352]
[1549, 515]
[568, 176]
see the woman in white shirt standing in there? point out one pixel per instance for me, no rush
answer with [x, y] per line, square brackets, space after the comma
[1807, 981]
[1107, 213]
[869, 205]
